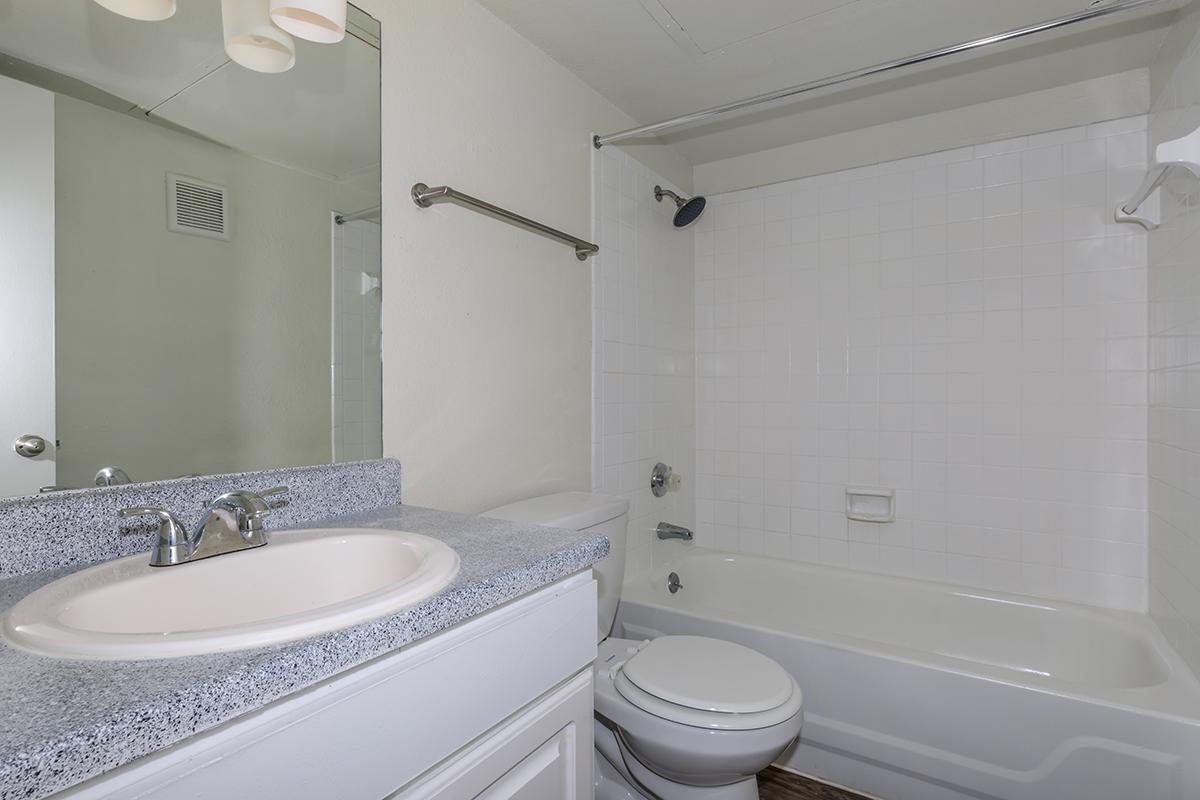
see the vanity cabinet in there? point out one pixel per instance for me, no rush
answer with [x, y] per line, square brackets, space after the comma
[499, 707]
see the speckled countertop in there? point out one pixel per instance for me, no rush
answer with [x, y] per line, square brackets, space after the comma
[66, 721]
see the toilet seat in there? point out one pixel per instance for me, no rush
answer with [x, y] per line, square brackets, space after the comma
[708, 683]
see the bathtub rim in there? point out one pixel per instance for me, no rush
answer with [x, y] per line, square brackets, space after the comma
[1177, 698]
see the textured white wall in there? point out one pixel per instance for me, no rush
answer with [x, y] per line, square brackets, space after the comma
[966, 327]
[1175, 357]
[643, 387]
[487, 328]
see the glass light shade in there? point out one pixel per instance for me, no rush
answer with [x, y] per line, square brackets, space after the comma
[252, 41]
[146, 10]
[322, 21]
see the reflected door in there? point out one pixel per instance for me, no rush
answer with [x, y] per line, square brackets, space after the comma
[26, 286]
[357, 341]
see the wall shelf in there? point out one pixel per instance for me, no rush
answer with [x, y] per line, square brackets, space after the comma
[1182, 153]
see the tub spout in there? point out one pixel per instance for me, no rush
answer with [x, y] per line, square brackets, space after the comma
[666, 530]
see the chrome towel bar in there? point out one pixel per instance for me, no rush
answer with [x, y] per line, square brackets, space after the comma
[425, 196]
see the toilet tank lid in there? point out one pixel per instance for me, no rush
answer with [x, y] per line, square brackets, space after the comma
[571, 510]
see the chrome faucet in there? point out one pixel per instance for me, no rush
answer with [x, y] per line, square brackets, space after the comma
[112, 476]
[229, 523]
[666, 530]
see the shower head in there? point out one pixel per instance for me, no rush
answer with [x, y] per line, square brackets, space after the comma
[686, 211]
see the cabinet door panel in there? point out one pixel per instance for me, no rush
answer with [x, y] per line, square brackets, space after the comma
[542, 753]
[546, 774]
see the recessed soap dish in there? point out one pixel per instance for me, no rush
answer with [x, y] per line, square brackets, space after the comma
[871, 504]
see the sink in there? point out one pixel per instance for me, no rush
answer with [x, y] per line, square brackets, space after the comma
[301, 584]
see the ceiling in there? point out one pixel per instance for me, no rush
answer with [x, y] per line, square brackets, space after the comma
[316, 117]
[657, 59]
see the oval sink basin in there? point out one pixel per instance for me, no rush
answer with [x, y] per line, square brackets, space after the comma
[300, 584]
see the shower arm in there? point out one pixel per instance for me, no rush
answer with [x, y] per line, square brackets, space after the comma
[1093, 12]
[660, 193]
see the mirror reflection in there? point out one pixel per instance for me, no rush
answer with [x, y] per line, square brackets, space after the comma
[189, 247]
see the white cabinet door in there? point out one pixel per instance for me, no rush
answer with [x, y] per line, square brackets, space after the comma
[542, 753]
[548, 773]
[26, 283]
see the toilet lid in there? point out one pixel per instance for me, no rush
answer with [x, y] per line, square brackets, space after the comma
[709, 675]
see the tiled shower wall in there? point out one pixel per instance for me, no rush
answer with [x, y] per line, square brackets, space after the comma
[644, 380]
[1175, 363]
[966, 327]
[357, 348]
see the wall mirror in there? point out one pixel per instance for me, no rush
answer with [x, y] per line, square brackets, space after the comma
[189, 249]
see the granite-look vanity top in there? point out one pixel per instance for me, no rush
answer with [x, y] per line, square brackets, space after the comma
[66, 721]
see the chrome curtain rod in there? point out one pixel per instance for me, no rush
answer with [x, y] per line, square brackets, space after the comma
[1094, 12]
[424, 196]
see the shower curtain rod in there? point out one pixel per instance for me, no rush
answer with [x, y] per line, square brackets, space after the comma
[366, 213]
[1094, 12]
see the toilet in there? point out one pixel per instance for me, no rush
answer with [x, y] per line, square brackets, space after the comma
[677, 717]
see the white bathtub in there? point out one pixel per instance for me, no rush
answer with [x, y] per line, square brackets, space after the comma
[916, 690]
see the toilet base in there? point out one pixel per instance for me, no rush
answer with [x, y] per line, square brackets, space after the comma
[610, 784]
[620, 776]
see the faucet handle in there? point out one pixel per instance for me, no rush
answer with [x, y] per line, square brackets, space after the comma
[252, 504]
[174, 545]
[245, 503]
[275, 492]
[250, 508]
[248, 502]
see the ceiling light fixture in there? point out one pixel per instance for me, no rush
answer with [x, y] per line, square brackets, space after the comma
[256, 31]
[145, 10]
[321, 21]
[252, 40]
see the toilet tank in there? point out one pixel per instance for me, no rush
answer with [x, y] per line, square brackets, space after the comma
[581, 511]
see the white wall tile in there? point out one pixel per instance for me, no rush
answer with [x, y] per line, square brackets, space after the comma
[650, 282]
[1174, 420]
[968, 329]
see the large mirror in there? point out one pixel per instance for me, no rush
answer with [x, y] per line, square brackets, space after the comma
[189, 248]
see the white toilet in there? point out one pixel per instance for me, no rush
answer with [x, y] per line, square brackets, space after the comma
[678, 717]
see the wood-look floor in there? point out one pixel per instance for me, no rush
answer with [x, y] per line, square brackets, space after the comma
[775, 784]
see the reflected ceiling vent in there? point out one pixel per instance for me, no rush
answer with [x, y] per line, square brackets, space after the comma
[197, 207]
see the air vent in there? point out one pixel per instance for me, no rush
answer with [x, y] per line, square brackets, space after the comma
[197, 207]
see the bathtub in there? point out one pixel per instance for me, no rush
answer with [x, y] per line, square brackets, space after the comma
[916, 690]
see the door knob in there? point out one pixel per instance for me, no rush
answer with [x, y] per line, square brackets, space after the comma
[30, 445]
